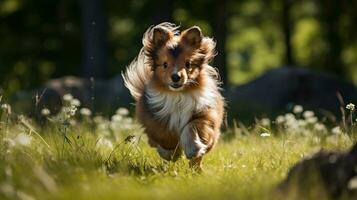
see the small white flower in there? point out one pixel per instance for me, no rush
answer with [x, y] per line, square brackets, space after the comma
[72, 110]
[302, 123]
[75, 102]
[23, 139]
[265, 135]
[319, 127]
[122, 111]
[6, 108]
[336, 130]
[352, 184]
[265, 122]
[116, 118]
[72, 122]
[98, 119]
[350, 107]
[67, 97]
[311, 120]
[289, 117]
[45, 112]
[105, 143]
[85, 112]
[280, 119]
[308, 114]
[298, 109]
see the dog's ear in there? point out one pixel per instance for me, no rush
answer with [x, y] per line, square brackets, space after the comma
[192, 37]
[160, 36]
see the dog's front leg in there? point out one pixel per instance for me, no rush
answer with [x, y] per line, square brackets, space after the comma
[196, 138]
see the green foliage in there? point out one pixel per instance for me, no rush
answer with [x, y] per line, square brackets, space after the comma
[42, 39]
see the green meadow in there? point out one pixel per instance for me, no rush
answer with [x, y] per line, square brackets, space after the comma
[76, 154]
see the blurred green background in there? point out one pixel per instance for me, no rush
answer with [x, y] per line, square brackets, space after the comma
[41, 39]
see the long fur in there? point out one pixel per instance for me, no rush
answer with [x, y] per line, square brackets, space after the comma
[188, 119]
[137, 75]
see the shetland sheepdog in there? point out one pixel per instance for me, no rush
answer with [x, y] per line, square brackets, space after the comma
[177, 92]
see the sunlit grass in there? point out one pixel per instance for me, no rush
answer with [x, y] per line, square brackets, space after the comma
[98, 158]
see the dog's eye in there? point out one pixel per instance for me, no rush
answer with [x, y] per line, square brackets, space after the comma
[187, 64]
[165, 65]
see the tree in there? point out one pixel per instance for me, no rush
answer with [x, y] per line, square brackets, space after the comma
[286, 26]
[220, 34]
[94, 46]
[330, 13]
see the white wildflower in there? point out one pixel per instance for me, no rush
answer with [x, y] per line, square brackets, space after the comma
[289, 116]
[311, 120]
[280, 119]
[85, 112]
[68, 97]
[122, 111]
[352, 184]
[72, 110]
[116, 118]
[336, 130]
[72, 122]
[75, 102]
[6, 108]
[128, 120]
[265, 122]
[98, 119]
[127, 123]
[298, 109]
[350, 107]
[308, 114]
[69, 111]
[319, 127]
[105, 143]
[45, 112]
[265, 135]
[23, 139]
[302, 123]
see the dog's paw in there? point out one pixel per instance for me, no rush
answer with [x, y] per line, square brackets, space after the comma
[169, 155]
[194, 151]
[193, 148]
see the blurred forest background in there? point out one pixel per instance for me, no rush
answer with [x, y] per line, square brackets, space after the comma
[42, 40]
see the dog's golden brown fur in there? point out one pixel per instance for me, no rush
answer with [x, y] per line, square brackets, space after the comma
[176, 91]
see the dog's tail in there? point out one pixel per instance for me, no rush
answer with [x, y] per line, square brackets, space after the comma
[136, 75]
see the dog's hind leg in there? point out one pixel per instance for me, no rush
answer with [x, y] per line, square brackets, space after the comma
[170, 155]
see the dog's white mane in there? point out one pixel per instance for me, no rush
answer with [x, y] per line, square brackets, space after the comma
[177, 108]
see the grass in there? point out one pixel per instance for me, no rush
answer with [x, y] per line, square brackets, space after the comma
[98, 158]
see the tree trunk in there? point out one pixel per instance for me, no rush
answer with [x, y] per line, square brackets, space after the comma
[94, 44]
[220, 35]
[330, 17]
[286, 25]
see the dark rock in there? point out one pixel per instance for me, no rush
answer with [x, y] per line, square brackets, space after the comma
[275, 90]
[267, 95]
[98, 95]
[326, 173]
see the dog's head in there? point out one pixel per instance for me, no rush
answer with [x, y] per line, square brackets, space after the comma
[177, 59]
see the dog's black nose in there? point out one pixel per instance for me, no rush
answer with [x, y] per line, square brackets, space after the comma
[175, 77]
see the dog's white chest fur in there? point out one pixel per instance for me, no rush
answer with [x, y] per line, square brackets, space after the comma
[176, 109]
